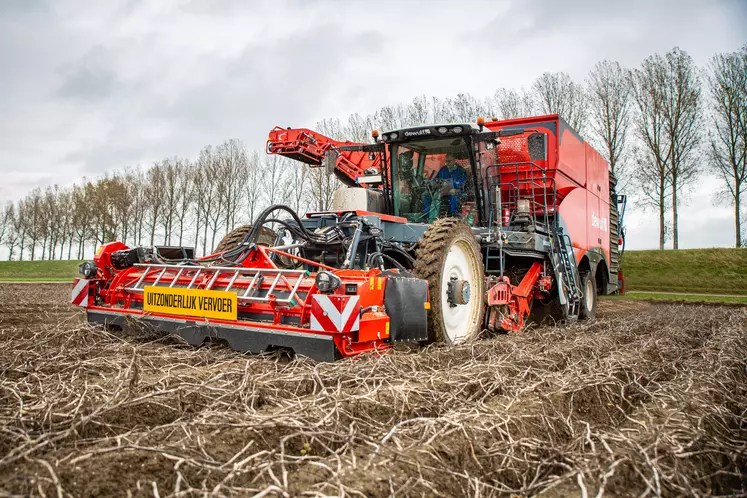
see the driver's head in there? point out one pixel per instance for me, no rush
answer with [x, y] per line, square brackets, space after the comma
[450, 161]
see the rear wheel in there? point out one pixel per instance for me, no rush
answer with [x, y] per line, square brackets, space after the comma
[235, 236]
[449, 259]
[589, 299]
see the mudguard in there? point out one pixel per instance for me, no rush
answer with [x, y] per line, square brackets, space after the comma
[406, 303]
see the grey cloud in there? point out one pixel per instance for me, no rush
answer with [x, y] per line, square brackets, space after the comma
[241, 97]
[86, 79]
[22, 7]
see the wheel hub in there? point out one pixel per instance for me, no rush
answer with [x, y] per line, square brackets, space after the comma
[458, 292]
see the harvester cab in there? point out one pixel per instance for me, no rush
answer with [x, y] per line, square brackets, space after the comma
[442, 232]
[436, 173]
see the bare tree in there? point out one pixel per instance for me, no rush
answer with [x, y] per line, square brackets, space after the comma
[6, 223]
[652, 158]
[465, 108]
[388, 118]
[211, 200]
[440, 110]
[232, 176]
[557, 93]
[134, 180]
[254, 185]
[274, 170]
[19, 226]
[51, 221]
[13, 233]
[118, 203]
[171, 171]
[667, 95]
[323, 184]
[510, 104]
[185, 194]
[81, 219]
[728, 140]
[418, 112]
[682, 111]
[610, 110]
[154, 195]
[66, 222]
[358, 129]
[296, 185]
[33, 219]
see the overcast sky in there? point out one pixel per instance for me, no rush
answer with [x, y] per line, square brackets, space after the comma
[88, 87]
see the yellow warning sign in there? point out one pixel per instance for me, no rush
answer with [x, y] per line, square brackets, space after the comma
[190, 302]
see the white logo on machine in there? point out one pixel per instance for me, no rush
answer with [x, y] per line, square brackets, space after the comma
[417, 133]
[597, 222]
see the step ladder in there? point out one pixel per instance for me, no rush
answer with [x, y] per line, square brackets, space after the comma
[566, 272]
[245, 282]
[617, 212]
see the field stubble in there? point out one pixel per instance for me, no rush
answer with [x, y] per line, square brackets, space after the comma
[650, 399]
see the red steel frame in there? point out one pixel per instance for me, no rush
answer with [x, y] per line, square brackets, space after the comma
[374, 324]
[310, 147]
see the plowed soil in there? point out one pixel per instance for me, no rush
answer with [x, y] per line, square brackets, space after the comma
[649, 399]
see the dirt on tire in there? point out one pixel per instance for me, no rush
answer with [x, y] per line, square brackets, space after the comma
[234, 237]
[430, 257]
[648, 399]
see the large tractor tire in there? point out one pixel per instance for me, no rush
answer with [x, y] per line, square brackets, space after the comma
[588, 309]
[449, 259]
[235, 236]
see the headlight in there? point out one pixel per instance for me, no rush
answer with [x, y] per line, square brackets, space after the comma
[457, 129]
[393, 136]
[327, 282]
[88, 269]
[442, 129]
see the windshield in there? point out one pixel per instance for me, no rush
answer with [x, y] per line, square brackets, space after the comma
[433, 179]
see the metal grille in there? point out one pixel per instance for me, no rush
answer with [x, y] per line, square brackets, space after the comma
[513, 149]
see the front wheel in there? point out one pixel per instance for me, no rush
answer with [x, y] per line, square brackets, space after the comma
[449, 259]
[589, 300]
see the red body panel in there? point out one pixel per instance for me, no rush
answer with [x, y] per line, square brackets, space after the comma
[580, 173]
[598, 186]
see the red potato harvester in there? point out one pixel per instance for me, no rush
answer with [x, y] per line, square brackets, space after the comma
[440, 232]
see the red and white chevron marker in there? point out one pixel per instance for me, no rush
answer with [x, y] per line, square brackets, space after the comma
[80, 292]
[335, 313]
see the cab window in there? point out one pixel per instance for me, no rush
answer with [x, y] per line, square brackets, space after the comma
[433, 179]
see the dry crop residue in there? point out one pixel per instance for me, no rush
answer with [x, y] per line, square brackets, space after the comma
[648, 399]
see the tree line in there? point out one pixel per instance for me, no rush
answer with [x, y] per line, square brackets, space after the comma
[660, 125]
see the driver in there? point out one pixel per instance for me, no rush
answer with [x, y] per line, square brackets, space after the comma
[453, 179]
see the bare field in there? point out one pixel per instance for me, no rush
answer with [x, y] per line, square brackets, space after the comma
[650, 399]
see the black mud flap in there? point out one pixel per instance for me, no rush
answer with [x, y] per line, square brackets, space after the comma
[241, 338]
[405, 302]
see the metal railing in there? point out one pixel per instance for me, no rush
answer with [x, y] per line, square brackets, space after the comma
[518, 181]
